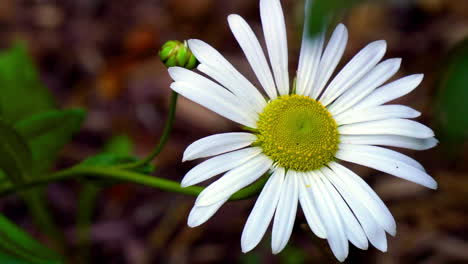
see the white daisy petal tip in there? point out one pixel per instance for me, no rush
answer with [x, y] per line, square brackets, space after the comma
[247, 244]
[382, 44]
[381, 245]
[176, 72]
[397, 61]
[194, 43]
[192, 223]
[432, 185]
[184, 183]
[379, 47]
[200, 214]
[341, 30]
[245, 248]
[276, 251]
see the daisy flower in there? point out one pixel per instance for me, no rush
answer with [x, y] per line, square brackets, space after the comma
[299, 134]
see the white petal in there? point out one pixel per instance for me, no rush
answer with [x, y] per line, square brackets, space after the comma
[217, 67]
[376, 77]
[285, 212]
[309, 60]
[374, 232]
[391, 166]
[274, 30]
[309, 207]
[376, 113]
[390, 140]
[263, 211]
[251, 96]
[391, 91]
[330, 218]
[218, 165]
[359, 189]
[359, 65]
[234, 180]
[253, 52]
[394, 126]
[217, 144]
[330, 59]
[384, 152]
[212, 96]
[351, 225]
[200, 214]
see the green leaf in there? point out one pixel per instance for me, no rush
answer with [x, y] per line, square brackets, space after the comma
[452, 109]
[120, 144]
[12, 260]
[22, 92]
[15, 156]
[47, 133]
[117, 151]
[321, 12]
[112, 159]
[19, 247]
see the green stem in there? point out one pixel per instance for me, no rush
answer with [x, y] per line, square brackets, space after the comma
[37, 203]
[86, 204]
[162, 141]
[129, 176]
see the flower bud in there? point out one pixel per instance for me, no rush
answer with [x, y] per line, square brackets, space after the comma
[175, 53]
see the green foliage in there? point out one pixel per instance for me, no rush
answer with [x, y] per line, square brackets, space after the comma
[321, 12]
[250, 258]
[22, 93]
[48, 132]
[121, 145]
[292, 255]
[15, 155]
[117, 151]
[452, 107]
[29, 107]
[32, 132]
[18, 247]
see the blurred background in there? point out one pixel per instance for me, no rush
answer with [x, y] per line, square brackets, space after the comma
[102, 56]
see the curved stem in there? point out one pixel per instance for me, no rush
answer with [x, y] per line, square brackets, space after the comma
[162, 141]
[129, 176]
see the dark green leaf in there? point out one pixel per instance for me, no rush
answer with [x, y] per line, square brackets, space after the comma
[12, 260]
[452, 108]
[251, 258]
[22, 92]
[47, 133]
[18, 246]
[15, 156]
[292, 255]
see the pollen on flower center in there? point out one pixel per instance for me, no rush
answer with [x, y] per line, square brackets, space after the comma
[297, 132]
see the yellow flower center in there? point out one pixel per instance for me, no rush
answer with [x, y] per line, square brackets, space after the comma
[298, 133]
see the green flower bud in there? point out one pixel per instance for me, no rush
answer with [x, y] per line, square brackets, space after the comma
[175, 53]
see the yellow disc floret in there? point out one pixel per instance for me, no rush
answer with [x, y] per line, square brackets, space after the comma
[298, 133]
